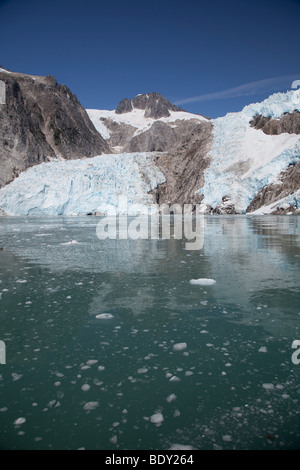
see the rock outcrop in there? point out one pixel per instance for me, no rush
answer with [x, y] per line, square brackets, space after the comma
[184, 166]
[288, 183]
[289, 123]
[155, 105]
[42, 120]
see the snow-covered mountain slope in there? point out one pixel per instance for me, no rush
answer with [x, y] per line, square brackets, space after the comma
[136, 118]
[119, 129]
[243, 159]
[81, 187]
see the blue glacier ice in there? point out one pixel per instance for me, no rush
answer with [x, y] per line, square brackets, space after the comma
[79, 187]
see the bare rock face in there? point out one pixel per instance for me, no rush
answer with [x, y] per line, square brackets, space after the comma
[155, 105]
[184, 166]
[290, 183]
[289, 123]
[120, 133]
[41, 120]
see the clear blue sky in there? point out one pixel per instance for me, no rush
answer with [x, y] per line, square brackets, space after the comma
[186, 50]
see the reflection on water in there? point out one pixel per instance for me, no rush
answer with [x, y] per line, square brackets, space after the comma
[82, 381]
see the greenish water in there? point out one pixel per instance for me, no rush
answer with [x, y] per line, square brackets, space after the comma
[83, 382]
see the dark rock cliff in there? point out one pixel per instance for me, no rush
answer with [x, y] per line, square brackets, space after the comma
[288, 122]
[42, 119]
[184, 166]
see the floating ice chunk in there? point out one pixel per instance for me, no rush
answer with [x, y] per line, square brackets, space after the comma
[263, 349]
[114, 439]
[174, 378]
[180, 447]
[157, 418]
[171, 397]
[104, 316]
[268, 386]
[203, 282]
[16, 376]
[142, 370]
[179, 346]
[19, 421]
[101, 368]
[90, 405]
[227, 438]
[21, 281]
[85, 387]
[91, 362]
[72, 242]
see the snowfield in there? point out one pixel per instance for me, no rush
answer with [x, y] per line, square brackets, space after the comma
[79, 187]
[135, 118]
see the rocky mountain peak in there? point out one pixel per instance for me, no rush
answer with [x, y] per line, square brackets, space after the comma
[155, 105]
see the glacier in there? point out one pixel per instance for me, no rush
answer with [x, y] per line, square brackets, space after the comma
[243, 159]
[80, 187]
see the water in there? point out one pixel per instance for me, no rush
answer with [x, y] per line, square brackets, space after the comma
[116, 381]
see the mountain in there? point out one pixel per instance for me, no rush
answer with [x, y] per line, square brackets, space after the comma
[42, 120]
[154, 104]
[154, 152]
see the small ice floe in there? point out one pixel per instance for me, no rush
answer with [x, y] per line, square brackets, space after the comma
[104, 316]
[174, 378]
[157, 418]
[21, 281]
[19, 421]
[90, 405]
[268, 386]
[179, 346]
[263, 349]
[227, 438]
[16, 376]
[203, 282]
[85, 387]
[171, 398]
[72, 242]
[101, 368]
[91, 362]
[181, 447]
[142, 370]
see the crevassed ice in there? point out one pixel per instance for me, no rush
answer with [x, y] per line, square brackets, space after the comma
[78, 187]
[245, 159]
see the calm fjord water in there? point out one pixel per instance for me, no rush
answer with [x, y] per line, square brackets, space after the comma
[116, 382]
